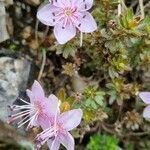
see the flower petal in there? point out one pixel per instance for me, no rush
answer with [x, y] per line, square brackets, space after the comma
[71, 119]
[82, 5]
[86, 23]
[54, 145]
[145, 96]
[53, 105]
[37, 91]
[49, 143]
[67, 140]
[50, 111]
[47, 14]
[64, 34]
[58, 3]
[30, 95]
[146, 112]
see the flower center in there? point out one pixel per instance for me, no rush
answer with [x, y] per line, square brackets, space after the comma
[38, 106]
[68, 12]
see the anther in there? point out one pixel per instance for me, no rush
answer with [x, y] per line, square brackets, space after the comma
[79, 25]
[85, 6]
[84, 16]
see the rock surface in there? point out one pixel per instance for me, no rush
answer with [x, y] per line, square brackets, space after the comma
[14, 75]
[10, 139]
[3, 31]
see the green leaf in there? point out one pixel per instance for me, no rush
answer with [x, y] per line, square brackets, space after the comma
[93, 105]
[69, 50]
[103, 142]
[99, 99]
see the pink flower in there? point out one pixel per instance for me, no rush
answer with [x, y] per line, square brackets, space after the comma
[34, 110]
[56, 128]
[66, 16]
[145, 96]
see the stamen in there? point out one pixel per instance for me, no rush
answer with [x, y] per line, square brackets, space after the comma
[24, 114]
[22, 120]
[34, 118]
[24, 101]
[25, 121]
[46, 130]
[17, 107]
[20, 113]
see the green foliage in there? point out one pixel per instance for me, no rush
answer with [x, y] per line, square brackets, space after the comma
[94, 98]
[66, 50]
[103, 142]
[115, 56]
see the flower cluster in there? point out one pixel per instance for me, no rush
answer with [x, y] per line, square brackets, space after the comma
[66, 16]
[145, 96]
[44, 112]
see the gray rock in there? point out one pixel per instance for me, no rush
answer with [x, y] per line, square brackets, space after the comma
[11, 139]
[3, 31]
[14, 75]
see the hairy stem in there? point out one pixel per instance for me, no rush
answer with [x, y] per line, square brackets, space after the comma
[141, 8]
[43, 64]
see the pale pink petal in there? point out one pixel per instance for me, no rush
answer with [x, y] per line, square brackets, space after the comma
[146, 112]
[58, 3]
[66, 3]
[67, 140]
[47, 14]
[45, 122]
[145, 96]
[30, 95]
[49, 143]
[53, 105]
[37, 91]
[50, 111]
[54, 145]
[71, 119]
[64, 33]
[82, 5]
[86, 23]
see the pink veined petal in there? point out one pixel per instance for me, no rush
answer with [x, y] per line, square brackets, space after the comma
[82, 5]
[45, 122]
[54, 145]
[145, 96]
[86, 23]
[146, 112]
[50, 111]
[71, 119]
[47, 14]
[64, 33]
[37, 91]
[67, 141]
